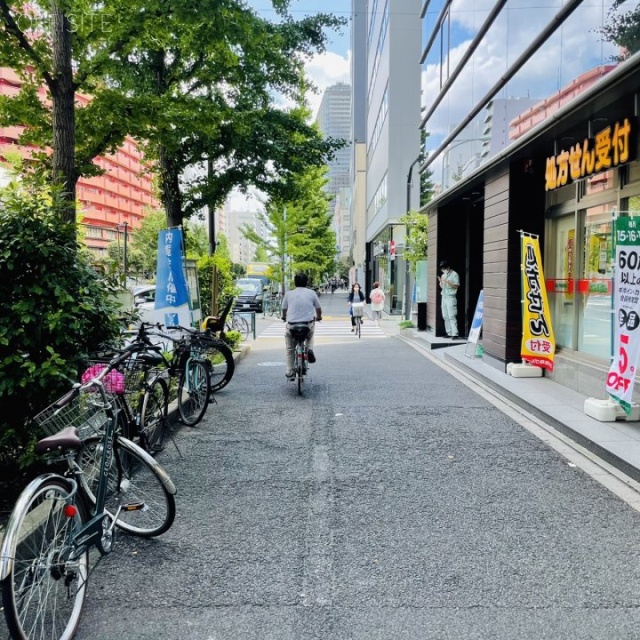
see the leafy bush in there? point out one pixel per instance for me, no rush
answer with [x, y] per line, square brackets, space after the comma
[225, 278]
[54, 309]
[232, 338]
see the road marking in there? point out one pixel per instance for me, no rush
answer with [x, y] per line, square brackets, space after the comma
[327, 329]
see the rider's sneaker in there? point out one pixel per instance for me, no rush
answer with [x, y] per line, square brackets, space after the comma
[290, 373]
[311, 356]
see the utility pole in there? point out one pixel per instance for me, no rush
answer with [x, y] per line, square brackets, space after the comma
[284, 249]
[124, 255]
[212, 246]
[407, 275]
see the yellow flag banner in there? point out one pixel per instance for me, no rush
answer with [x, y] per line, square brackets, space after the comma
[538, 343]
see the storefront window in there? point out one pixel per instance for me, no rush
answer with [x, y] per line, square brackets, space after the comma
[579, 281]
[595, 284]
[561, 281]
[599, 182]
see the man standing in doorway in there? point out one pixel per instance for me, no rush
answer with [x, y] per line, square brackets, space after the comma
[449, 283]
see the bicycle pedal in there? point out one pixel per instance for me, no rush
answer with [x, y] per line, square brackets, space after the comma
[156, 448]
[133, 506]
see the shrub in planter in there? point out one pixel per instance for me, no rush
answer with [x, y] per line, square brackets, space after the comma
[54, 308]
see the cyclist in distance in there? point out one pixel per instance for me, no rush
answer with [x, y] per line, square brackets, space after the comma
[300, 306]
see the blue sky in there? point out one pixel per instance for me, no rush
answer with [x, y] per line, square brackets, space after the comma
[339, 42]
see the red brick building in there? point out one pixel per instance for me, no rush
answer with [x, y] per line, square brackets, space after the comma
[110, 203]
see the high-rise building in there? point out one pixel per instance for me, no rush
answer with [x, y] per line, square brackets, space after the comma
[334, 121]
[393, 138]
[110, 205]
[358, 202]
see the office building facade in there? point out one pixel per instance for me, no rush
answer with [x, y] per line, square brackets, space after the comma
[565, 171]
[393, 139]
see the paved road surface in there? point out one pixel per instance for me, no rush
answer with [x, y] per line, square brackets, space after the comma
[388, 502]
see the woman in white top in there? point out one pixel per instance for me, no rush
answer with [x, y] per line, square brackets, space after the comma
[377, 302]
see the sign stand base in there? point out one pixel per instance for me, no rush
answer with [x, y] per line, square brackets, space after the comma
[609, 411]
[523, 370]
[473, 350]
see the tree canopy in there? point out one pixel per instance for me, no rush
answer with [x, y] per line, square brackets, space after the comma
[195, 83]
[298, 232]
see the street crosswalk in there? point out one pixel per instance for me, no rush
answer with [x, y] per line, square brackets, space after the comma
[328, 329]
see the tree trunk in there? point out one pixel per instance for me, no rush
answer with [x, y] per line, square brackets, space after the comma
[170, 188]
[63, 112]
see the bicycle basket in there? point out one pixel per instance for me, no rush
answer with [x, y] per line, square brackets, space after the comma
[86, 411]
[114, 381]
[357, 308]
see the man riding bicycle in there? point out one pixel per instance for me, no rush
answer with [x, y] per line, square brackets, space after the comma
[300, 306]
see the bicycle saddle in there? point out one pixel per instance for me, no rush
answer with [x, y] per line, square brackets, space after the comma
[299, 331]
[150, 358]
[66, 439]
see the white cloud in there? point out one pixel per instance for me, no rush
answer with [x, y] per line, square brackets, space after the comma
[325, 70]
[573, 49]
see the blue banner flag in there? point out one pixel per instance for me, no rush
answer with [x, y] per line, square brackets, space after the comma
[171, 284]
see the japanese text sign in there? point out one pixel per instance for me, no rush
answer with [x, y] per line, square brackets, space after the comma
[171, 286]
[612, 146]
[626, 337]
[538, 343]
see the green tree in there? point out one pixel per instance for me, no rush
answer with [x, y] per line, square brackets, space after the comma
[143, 242]
[417, 230]
[623, 29]
[202, 88]
[426, 182]
[261, 255]
[54, 307]
[197, 86]
[299, 232]
[225, 276]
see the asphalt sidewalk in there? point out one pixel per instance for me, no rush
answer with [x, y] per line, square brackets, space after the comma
[618, 443]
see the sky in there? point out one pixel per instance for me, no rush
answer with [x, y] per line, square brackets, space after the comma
[324, 70]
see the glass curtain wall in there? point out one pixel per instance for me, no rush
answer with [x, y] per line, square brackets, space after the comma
[460, 75]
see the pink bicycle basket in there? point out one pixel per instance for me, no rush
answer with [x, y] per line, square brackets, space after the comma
[113, 381]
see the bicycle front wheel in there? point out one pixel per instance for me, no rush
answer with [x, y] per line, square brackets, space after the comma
[153, 415]
[133, 477]
[43, 593]
[358, 326]
[221, 365]
[193, 392]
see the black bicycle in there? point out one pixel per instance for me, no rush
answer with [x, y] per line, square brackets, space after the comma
[300, 334]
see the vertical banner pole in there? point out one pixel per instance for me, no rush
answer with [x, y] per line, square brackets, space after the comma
[538, 342]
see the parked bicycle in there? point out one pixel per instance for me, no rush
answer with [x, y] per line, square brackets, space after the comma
[217, 353]
[190, 370]
[59, 518]
[141, 395]
[238, 323]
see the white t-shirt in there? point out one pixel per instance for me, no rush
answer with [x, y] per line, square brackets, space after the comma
[301, 304]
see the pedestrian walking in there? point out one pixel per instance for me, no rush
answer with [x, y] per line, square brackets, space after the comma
[449, 283]
[377, 302]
